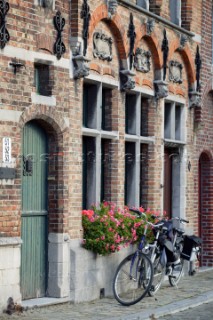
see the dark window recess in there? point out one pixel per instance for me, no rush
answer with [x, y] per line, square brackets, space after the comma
[106, 123]
[130, 166]
[45, 3]
[105, 170]
[89, 172]
[144, 117]
[89, 106]
[42, 79]
[178, 122]
[167, 121]
[130, 114]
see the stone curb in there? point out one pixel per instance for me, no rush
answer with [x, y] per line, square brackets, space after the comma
[169, 308]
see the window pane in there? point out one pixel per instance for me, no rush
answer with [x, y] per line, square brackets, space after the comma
[178, 122]
[90, 106]
[144, 117]
[130, 114]
[130, 170]
[42, 79]
[106, 123]
[143, 4]
[175, 11]
[89, 172]
[105, 170]
[144, 175]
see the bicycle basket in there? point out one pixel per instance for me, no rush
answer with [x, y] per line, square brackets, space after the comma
[191, 243]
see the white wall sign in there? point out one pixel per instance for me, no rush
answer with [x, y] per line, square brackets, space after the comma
[6, 149]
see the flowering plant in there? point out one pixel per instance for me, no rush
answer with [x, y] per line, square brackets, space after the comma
[108, 228]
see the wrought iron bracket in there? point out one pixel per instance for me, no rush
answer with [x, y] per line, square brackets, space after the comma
[132, 36]
[85, 15]
[4, 34]
[16, 65]
[59, 47]
[165, 49]
[198, 64]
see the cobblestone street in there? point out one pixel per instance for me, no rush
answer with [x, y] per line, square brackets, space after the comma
[191, 292]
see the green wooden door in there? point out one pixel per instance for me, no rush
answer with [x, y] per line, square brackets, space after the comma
[34, 212]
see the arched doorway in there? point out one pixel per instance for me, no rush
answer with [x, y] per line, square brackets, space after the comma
[205, 215]
[34, 220]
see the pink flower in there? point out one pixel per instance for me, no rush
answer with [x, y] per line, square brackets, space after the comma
[102, 237]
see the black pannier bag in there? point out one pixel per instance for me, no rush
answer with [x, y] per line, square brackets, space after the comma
[190, 242]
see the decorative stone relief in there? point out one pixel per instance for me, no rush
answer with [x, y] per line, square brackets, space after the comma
[112, 7]
[102, 46]
[183, 40]
[194, 99]
[150, 26]
[175, 71]
[161, 89]
[127, 82]
[142, 60]
[81, 68]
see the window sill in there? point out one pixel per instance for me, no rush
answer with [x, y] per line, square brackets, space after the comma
[102, 133]
[142, 139]
[173, 143]
[39, 99]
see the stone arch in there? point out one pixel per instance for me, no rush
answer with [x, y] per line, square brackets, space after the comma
[205, 209]
[115, 25]
[153, 43]
[187, 58]
[56, 129]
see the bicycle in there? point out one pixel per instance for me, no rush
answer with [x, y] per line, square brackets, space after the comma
[166, 254]
[134, 275]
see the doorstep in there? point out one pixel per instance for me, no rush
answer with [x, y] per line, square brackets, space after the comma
[43, 302]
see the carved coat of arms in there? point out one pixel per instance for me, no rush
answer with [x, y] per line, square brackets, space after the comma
[102, 46]
[142, 60]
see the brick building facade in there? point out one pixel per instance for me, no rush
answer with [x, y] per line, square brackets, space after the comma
[98, 100]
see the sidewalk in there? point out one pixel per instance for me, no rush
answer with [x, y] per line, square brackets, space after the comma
[192, 291]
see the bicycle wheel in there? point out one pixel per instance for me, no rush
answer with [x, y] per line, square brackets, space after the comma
[176, 273]
[132, 279]
[158, 277]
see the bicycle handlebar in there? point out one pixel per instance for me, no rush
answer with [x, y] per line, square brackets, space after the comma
[180, 219]
[140, 214]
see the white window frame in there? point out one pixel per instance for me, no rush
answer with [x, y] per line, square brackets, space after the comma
[178, 167]
[138, 140]
[99, 134]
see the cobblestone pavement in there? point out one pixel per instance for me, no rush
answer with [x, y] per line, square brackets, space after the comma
[191, 291]
[203, 312]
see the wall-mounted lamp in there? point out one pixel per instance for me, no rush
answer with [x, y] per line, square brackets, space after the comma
[16, 65]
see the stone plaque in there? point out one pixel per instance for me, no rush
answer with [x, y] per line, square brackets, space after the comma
[175, 71]
[142, 60]
[102, 46]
